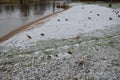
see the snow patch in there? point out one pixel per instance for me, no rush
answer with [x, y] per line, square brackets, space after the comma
[80, 19]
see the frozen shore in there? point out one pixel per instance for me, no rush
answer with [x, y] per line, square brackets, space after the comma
[74, 22]
[82, 43]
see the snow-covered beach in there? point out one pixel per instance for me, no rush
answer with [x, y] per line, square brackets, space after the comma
[77, 20]
[81, 43]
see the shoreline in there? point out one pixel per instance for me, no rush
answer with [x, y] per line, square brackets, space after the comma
[49, 50]
[12, 33]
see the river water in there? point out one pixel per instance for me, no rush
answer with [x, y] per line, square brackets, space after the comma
[13, 16]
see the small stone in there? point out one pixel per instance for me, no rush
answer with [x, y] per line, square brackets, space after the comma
[77, 37]
[118, 15]
[90, 11]
[42, 34]
[49, 57]
[58, 20]
[110, 18]
[82, 7]
[89, 17]
[69, 52]
[56, 55]
[29, 36]
[97, 49]
[117, 12]
[66, 19]
[98, 14]
[80, 62]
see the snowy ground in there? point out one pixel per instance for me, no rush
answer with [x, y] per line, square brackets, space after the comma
[76, 21]
[81, 43]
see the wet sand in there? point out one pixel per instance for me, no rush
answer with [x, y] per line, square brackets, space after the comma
[12, 33]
